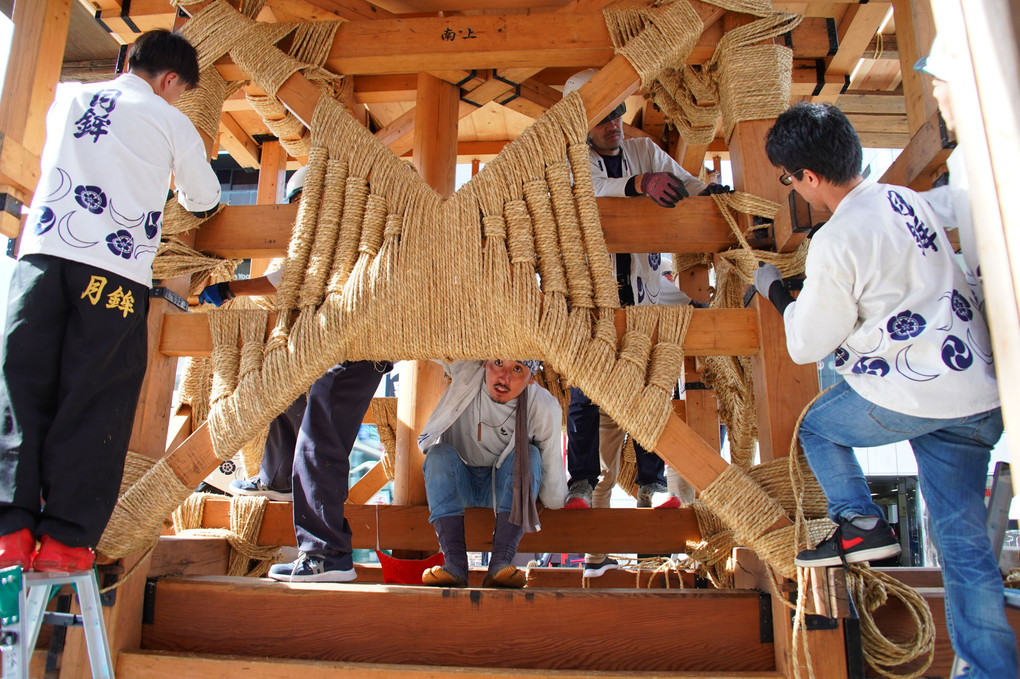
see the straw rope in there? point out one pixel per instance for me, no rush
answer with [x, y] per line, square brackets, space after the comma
[741, 81]
[247, 558]
[384, 412]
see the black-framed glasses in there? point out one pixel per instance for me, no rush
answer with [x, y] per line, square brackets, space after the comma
[787, 177]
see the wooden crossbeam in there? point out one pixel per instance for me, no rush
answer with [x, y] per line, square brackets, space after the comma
[728, 332]
[855, 32]
[653, 531]
[920, 163]
[499, 42]
[444, 626]
[629, 225]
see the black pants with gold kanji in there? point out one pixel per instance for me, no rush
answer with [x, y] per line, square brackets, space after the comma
[74, 355]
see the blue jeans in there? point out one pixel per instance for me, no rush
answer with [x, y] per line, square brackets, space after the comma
[451, 485]
[952, 463]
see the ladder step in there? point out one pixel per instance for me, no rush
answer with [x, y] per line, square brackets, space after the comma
[34, 591]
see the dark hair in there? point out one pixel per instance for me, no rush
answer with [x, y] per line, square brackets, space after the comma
[159, 51]
[816, 137]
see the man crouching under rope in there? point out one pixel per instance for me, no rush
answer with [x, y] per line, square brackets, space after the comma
[492, 441]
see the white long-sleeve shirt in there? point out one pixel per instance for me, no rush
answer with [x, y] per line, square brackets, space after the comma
[641, 155]
[459, 404]
[110, 149]
[952, 206]
[884, 292]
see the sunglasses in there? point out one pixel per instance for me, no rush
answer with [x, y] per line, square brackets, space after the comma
[787, 177]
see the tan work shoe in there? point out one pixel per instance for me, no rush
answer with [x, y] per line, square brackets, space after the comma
[507, 576]
[437, 576]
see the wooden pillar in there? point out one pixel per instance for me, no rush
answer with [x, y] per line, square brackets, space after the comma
[702, 407]
[827, 647]
[422, 382]
[781, 387]
[37, 52]
[272, 183]
[915, 29]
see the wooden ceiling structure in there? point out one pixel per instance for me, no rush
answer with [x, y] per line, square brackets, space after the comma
[845, 52]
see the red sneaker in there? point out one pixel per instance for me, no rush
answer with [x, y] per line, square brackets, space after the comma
[56, 557]
[17, 549]
[672, 503]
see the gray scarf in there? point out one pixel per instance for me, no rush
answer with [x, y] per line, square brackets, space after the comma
[523, 511]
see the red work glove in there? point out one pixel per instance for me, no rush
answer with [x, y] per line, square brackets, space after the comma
[664, 188]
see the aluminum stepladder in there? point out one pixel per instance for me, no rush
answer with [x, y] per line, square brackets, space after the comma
[999, 498]
[23, 599]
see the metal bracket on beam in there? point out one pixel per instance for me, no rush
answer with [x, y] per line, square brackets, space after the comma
[516, 86]
[766, 634]
[830, 26]
[121, 59]
[468, 78]
[10, 205]
[125, 11]
[170, 296]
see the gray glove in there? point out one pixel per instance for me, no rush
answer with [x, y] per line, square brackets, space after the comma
[764, 277]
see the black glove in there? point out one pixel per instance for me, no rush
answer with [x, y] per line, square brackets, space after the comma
[715, 188]
[664, 188]
[216, 294]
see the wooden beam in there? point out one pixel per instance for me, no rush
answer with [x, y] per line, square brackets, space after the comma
[915, 29]
[629, 225]
[380, 623]
[161, 664]
[88, 71]
[781, 387]
[856, 31]
[352, 10]
[712, 332]
[660, 531]
[918, 164]
[37, 50]
[499, 42]
[237, 143]
[272, 182]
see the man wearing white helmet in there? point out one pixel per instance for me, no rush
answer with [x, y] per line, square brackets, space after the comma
[623, 168]
[308, 448]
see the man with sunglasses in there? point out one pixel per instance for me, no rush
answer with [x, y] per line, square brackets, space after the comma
[884, 293]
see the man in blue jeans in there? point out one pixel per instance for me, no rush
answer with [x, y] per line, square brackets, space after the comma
[885, 294]
[492, 441]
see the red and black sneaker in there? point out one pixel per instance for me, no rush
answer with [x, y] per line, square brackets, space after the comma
[17, 549]
[850, 544]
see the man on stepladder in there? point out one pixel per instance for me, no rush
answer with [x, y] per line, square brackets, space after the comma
[74, 352]
[884, 293]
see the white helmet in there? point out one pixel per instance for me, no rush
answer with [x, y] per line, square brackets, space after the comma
[296, 183]
[574, 83]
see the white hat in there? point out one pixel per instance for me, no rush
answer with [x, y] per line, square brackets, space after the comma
[296, 183]
[574, 83]
[936, 64]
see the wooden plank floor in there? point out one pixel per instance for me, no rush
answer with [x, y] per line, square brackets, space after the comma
[606, 629]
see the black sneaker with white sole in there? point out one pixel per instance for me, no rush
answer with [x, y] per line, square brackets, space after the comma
[312, 568]
[850, 544]
[255, 486]
[595, 569]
